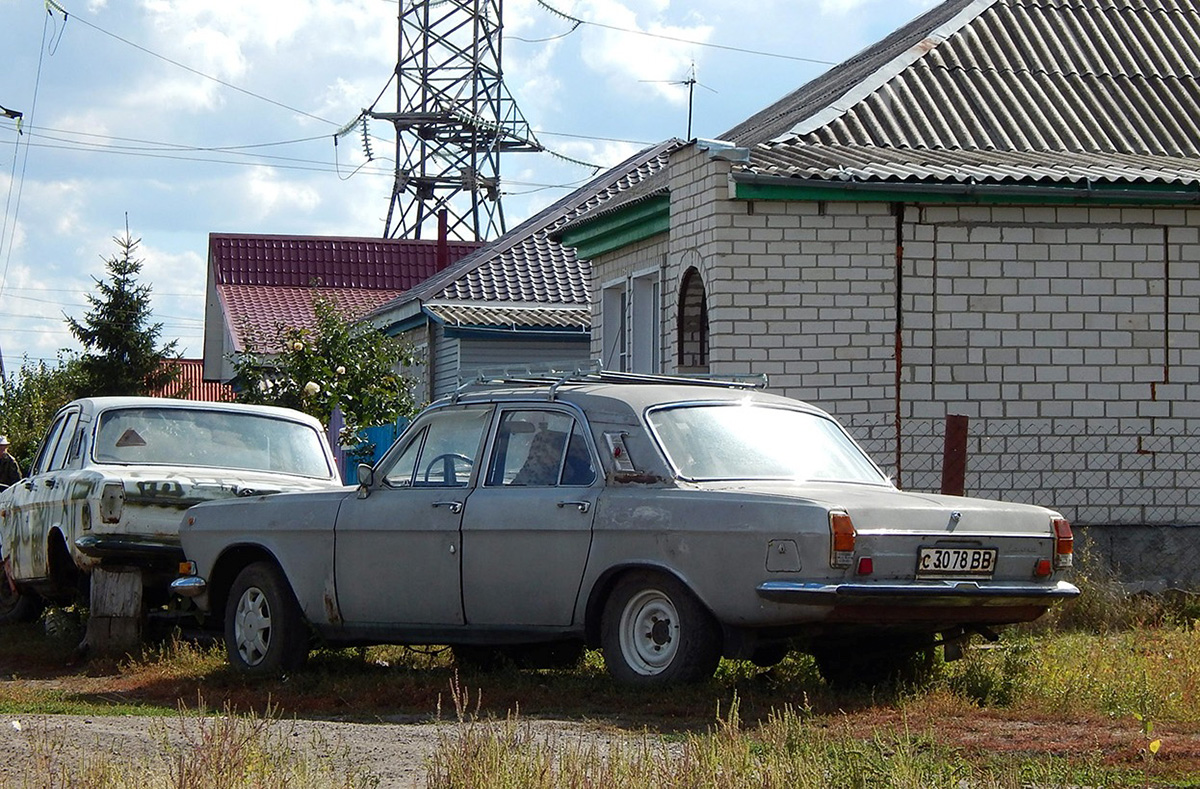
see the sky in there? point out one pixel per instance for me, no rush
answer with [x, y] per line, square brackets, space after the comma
[180, 118]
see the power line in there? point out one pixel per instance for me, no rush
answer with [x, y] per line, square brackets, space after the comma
[577, 21]
[199, 73]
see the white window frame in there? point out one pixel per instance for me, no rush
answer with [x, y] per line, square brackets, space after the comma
[631, 321]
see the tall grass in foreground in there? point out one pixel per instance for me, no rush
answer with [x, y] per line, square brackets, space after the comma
[792, 749]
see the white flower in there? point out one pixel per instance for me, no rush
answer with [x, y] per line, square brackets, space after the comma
[341, 370]
[311, 388]
[297, 346]
[17, 725]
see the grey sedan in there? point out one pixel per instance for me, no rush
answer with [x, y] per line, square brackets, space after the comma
[667, 522]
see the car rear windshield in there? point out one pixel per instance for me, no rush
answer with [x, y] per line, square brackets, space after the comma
[747, 441]
[209, 438]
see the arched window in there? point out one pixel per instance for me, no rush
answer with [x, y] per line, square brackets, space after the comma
[693, 324]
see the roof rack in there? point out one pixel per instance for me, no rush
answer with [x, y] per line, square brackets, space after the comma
[556, 375]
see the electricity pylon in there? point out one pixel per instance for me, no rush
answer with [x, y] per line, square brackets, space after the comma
[454, 118]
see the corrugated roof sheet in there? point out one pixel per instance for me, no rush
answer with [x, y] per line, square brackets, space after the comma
[525, 265]
[541, 316]
[191, 380]
[1002, 90]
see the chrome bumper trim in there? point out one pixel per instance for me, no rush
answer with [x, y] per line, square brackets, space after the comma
[932, 592]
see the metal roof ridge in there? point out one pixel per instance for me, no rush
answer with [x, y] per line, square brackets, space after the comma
[507, 305]
[889, 70]
[530, 226]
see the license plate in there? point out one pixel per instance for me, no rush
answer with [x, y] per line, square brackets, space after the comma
[944, 562]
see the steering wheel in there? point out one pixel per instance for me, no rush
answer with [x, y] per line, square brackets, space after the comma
[449, 471]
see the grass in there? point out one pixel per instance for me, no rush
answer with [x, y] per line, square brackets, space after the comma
[1105, 692]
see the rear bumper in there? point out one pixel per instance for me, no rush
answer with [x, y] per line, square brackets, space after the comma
[917, 594]
[124, 548]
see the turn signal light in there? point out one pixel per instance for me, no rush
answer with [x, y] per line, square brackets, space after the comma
[842, 537]
[1064, 543]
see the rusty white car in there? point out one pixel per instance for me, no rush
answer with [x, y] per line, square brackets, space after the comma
[668, 522]
[114, 475]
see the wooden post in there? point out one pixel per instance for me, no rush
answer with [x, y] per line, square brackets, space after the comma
[954, 457]
[114, 626]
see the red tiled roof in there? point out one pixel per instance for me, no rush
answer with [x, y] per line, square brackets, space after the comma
[332, 262]
[257, 312]
[191, 378]
[265, 281]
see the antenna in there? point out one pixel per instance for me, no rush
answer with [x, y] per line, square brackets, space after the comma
[691, 83]
[454, 118]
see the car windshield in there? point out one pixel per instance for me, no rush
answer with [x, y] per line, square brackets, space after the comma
[211, 438]
[746, 441]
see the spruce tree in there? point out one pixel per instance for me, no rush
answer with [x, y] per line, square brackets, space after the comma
[120, 354]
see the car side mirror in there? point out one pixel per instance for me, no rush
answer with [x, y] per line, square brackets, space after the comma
[366, 478]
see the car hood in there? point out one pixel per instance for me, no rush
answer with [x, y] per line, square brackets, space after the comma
[885, 508]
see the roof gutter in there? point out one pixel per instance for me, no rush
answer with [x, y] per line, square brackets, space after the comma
[755, 186]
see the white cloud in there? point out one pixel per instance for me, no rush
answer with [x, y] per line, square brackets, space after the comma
[267, 194]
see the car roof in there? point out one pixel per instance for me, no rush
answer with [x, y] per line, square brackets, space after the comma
[97, 404]
[637, 396]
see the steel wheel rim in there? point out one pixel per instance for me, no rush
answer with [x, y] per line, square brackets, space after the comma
[252, 626]
[649, 632]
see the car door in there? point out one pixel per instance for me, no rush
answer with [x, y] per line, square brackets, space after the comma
[397, 551]
[39, 503]
[527, 527]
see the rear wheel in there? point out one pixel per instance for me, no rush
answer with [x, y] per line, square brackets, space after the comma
[264, 629]
[16, 605]
[655, 632]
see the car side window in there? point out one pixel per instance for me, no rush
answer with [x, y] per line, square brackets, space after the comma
[65, 439]
[443, 454]
[41, 463]
[540, 448]
[400, 475]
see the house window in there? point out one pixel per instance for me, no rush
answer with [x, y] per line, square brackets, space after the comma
[693, 324]
[630, 330]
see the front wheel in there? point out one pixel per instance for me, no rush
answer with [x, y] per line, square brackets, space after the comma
[264, 629]
[655, 632]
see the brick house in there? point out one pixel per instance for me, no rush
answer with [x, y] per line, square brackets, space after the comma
[993, 212]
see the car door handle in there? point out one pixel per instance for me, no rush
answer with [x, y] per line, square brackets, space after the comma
[583, 506]
[455, 506]
[49, 483]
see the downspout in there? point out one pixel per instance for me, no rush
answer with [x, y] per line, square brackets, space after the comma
[430, 355]
[898, 211]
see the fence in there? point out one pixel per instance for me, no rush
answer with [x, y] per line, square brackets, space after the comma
[1092, 471]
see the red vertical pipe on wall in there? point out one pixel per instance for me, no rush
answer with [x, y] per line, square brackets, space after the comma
[954, 457]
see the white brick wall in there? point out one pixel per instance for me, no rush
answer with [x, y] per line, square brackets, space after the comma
[1069, 335]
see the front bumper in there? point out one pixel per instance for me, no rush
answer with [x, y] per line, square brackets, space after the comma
[189, 586]
[917, 594]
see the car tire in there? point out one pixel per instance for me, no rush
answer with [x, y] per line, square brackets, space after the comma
[265, 632]
[655, 632]
[17, 605]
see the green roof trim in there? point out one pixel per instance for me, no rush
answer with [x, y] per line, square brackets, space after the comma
[757, 187]
[620, 227]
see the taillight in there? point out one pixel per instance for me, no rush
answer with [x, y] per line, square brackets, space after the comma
[1064, 543]
[841, 540]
